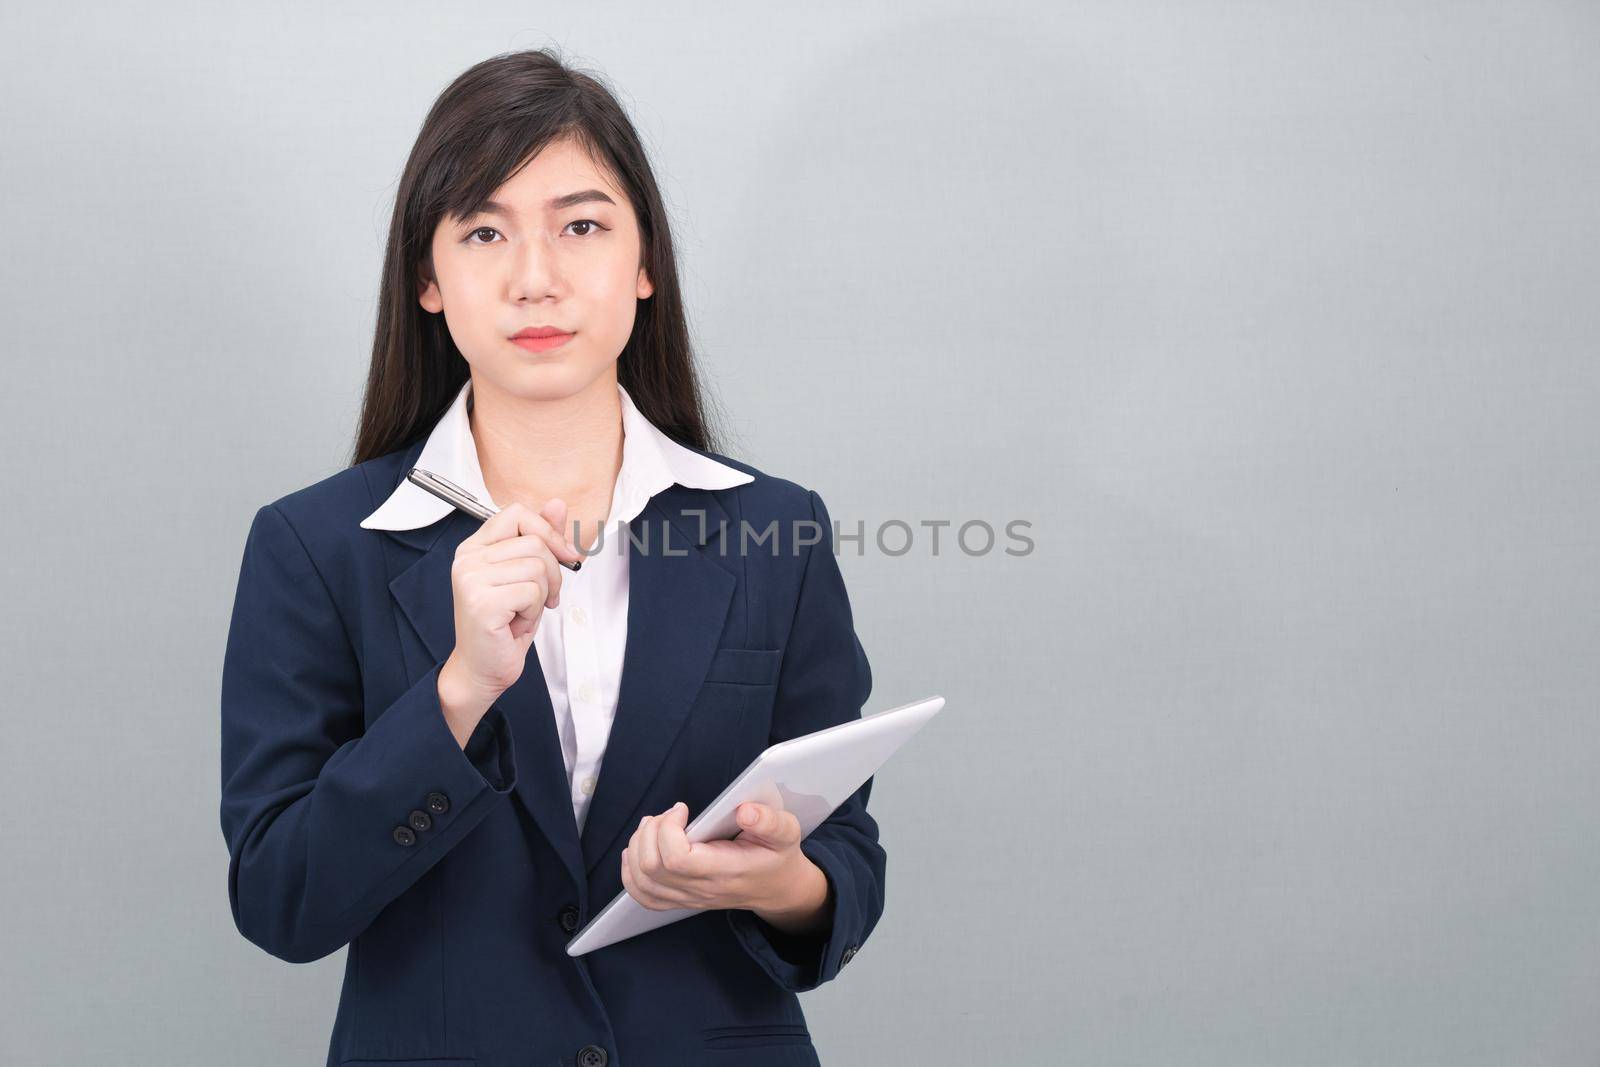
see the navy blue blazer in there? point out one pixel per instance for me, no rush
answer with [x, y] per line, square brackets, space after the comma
[457, 876]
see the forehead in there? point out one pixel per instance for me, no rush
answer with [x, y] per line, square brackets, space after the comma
[559, 169]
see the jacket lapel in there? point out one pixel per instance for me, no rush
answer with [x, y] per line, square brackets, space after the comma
[678, 599]
[423, 592]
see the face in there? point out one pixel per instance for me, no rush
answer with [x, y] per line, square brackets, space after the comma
[557, 245]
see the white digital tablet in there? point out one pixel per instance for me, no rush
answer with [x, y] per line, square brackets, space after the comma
[809, 775]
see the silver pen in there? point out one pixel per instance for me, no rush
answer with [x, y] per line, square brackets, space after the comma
[457, 497]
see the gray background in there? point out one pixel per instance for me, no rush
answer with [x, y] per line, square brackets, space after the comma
[1276, 320]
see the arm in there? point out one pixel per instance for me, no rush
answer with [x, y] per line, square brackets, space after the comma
[824, 680]
[311, 802]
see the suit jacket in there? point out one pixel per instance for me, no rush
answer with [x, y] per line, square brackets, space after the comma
[457, 876]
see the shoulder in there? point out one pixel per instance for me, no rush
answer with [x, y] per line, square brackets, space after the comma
[768, 496]
[329, 511]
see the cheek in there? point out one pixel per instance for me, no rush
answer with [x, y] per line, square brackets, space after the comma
[467, 291]
[617, 285]
[610, 310]
[471, 325]
[473, 285]
[614, 273]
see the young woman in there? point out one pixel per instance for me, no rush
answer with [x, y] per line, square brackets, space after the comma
[401, 775]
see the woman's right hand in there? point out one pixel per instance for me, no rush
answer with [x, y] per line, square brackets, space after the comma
[504, 576]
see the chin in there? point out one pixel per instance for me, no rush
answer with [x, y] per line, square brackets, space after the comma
[544, 378]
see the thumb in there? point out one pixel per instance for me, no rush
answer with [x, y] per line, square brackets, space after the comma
[763, 823]
[554, 512]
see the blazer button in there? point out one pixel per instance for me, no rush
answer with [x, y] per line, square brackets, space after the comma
[404, 835]
[438, 803]
[849, 954]
[420, 820]
[569, 918]
[592, 1056]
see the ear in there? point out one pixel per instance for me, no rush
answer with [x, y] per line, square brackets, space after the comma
[428, 294]
[430, 298]
[644, 288]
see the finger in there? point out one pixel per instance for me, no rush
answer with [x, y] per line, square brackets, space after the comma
[631, 875]
[501, 524]
[526, 545]
[555, 513]
[529, 547]
[548, 539]
[541, 568]
[648, 848]
[628, 881]
[767, 825]
[677, 854]
[532, 559]
[529, 528]
[648, 890]
[526, 600]
[552, 578]
[513, 520]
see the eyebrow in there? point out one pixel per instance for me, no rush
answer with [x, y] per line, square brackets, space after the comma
[555, 203]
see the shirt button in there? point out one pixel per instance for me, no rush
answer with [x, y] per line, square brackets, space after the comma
[586, 693]
[579, 616]
[587, 785]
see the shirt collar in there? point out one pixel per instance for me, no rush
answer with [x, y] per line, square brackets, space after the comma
[651, 461]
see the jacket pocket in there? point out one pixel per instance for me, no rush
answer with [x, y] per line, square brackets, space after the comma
[745, 666]
[448, 1062]
[756, 1035]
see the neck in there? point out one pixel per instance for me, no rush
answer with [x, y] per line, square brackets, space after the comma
[531, 450]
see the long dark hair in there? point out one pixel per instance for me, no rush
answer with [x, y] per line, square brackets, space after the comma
[495, 116]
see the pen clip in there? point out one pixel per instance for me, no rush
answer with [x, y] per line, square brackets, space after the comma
[444, 488]
[453, 494]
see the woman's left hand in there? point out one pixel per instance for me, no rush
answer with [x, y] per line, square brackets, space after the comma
[661, 869]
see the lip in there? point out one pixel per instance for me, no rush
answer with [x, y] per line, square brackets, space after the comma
[540, 338]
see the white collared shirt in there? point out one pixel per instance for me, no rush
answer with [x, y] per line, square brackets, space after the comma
[580, 644]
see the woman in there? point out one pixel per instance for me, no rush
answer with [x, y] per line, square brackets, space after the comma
[400, 775]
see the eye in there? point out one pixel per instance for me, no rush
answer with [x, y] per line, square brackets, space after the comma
[590, 226]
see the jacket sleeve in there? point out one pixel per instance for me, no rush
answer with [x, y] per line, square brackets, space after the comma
[312, 803]
[824, 680]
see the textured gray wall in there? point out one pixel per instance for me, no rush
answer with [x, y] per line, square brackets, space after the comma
[1276, 320]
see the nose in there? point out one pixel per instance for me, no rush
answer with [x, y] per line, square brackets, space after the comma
[534, 270]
